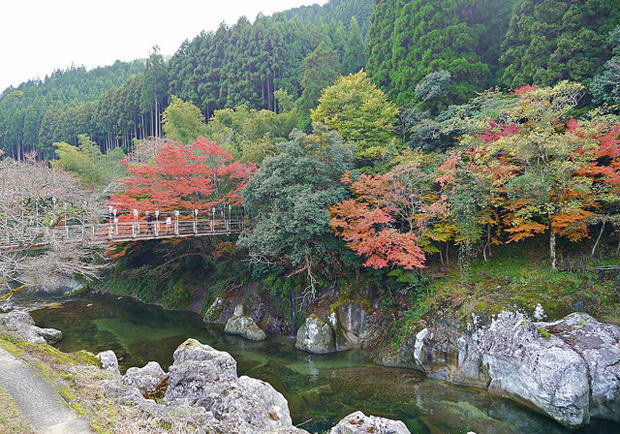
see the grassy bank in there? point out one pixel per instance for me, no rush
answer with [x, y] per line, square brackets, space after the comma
[12, 421]
[79, 380]
[518, 277]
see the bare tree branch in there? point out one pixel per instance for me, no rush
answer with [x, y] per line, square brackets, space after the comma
[35, 201]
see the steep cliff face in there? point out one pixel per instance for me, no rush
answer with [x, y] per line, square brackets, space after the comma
[567, 369]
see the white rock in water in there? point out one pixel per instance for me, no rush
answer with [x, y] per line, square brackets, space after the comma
[246, 327]
[315, 336]
[359, 423]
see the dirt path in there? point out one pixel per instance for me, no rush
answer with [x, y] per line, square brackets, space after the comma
[44, 409]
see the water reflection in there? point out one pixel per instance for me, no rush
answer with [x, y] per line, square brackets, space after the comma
[322, 388]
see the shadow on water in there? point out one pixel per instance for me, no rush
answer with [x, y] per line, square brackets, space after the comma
[319, 388]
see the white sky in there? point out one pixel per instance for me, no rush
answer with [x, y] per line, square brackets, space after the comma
[39, 36]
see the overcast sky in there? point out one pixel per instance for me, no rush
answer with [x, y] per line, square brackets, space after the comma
[39, 36]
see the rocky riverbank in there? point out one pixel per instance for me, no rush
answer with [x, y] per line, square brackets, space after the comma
[200, 393]
[568, 370]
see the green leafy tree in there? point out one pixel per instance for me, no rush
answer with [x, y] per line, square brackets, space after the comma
[360, 112]
[88, 163]
[182, 121]
[251, 134]
[434, 87]
[289, 197]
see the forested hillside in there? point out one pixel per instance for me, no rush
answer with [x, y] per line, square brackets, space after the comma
[336, 10]
[32, 112]
[244, 63]
[439, 53]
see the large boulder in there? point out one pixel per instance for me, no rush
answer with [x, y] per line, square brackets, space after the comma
[267, 412]
[147, 379]
[359, 423]
[196, 370]
[244, 326]
[214, 312]
[315, 336]
[21, 325]
[205, 392]
[353, 317]
[349, 322]
[598, 344]
[204, 377]
[518, 360]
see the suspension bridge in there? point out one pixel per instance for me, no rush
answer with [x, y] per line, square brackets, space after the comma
[174, 224]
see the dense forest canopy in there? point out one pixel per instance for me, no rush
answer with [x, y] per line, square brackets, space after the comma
[401, 44]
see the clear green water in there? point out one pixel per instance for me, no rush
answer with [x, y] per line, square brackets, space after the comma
[321, 389]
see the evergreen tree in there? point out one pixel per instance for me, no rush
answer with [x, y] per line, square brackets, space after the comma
[321, 69]
[553, 40]
[605, 86]
[418, 37]
[154, 91]
[379, 45]
[338, 36]
[355, 55]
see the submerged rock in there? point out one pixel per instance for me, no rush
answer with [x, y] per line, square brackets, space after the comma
[22, 325]
[244, 326]
[359, 423]
[315, 336]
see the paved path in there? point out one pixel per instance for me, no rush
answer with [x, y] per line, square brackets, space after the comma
[45, 410]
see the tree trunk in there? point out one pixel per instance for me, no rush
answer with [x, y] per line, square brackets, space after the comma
[293, 313]
[157, 118]
[598, 238]
[552, 248]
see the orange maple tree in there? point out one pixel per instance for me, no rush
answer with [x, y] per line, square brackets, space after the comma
[547, 173]
[368, 226]
[194, 177]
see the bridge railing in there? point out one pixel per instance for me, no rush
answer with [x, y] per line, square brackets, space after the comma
[119, 232]
[136, 230]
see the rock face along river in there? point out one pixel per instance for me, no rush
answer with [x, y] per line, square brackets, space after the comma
[321, 389]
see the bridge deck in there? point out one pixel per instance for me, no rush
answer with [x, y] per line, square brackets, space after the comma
[122, 232]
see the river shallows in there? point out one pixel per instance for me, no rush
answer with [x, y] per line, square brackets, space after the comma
[319, 388]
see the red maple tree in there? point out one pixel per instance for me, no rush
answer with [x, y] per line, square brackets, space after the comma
[368, 226]
[194, 177]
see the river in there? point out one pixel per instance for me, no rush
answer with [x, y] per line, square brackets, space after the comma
[320, 389]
